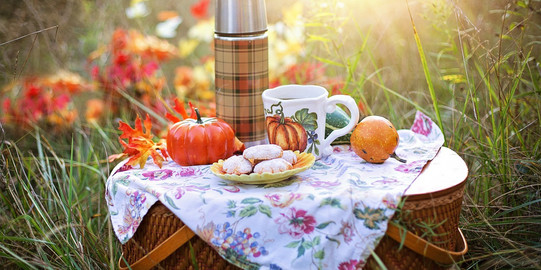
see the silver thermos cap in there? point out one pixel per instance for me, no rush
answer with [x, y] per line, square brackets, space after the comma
[240, 16]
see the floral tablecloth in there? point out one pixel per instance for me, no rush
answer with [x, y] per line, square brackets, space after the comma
[331, 216]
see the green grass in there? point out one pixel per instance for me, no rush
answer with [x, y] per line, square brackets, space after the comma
[53, 212]
[394, 57]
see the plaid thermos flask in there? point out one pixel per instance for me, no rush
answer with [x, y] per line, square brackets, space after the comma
[241, 67]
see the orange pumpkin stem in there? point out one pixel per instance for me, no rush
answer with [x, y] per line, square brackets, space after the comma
[199, 121]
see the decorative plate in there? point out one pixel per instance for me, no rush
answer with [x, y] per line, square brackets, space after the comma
[304, 162]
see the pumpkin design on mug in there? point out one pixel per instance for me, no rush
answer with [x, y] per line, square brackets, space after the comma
[291, 133]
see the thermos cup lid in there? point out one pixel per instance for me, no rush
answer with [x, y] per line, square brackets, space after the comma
[240, 16]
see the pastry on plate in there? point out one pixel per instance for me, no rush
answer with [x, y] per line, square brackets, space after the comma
[237, 165]
[263, 152]
[290, 156]
[272, 166]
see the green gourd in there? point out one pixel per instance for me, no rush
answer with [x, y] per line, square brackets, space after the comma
[337, 120]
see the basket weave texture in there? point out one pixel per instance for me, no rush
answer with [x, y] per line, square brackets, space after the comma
[433, 216]
[158, 224]
[439, 210]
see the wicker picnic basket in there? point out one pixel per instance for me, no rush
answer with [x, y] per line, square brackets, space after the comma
[158, 228]
[434, 216]
[423, 234]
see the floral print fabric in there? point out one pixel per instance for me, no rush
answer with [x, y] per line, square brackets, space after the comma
[331, 216]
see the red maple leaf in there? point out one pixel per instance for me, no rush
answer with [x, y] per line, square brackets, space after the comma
[139, 144]
[179, 108]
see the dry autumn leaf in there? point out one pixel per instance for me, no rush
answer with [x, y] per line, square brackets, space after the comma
[140, 144]
[179, 108]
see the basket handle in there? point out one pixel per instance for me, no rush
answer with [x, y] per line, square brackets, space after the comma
[424, 248]
[160, 252]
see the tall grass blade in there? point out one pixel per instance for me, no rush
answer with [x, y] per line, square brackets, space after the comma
[426, 71]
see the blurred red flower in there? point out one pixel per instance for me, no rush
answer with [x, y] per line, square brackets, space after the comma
[41, 100]
[66, 82]
[200, 9]
[136, 59]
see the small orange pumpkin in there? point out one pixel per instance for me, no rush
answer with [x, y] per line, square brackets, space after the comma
[204, 140]
[286, 133]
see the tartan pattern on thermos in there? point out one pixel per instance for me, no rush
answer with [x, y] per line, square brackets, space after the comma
[241, 76]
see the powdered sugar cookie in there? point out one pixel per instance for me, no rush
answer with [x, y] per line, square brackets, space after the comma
[272, 166]
[290, 156]
[237, 165]
[263, 152]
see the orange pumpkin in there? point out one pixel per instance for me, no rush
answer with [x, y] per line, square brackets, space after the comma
[286, 133]
[204, 140]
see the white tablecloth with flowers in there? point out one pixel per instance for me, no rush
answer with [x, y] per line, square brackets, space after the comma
[331, 216]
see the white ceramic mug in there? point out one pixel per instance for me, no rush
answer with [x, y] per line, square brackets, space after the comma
[296, 114]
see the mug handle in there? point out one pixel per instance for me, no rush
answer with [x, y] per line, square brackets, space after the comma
[330, 106]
